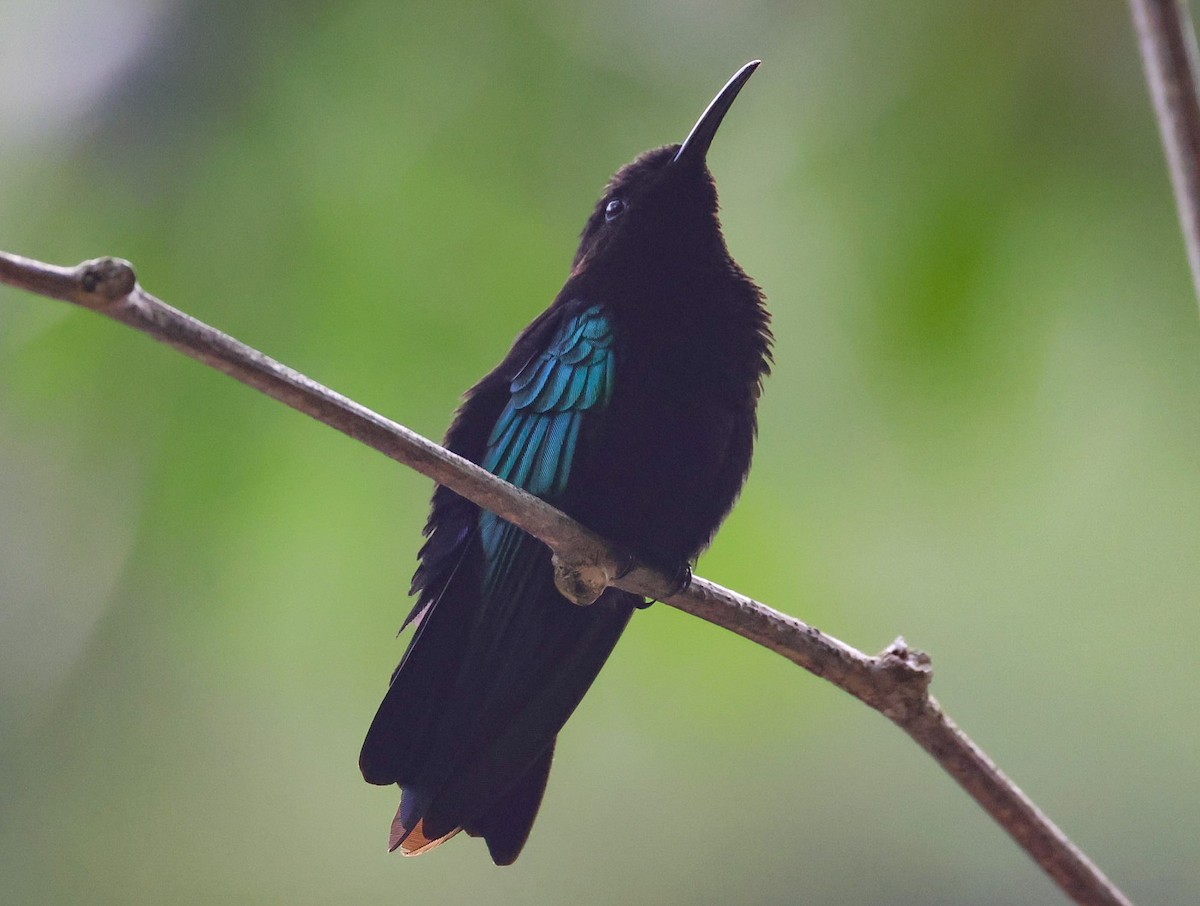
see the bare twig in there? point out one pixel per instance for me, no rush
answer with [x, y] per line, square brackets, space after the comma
[1168, 42]
[896, 682]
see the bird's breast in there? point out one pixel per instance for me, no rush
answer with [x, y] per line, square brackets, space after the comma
[657, 456]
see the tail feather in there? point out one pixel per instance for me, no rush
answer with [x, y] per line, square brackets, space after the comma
[506, 824]
[408, 827]
[412, 841]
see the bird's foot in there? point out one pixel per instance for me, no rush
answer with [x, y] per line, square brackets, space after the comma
[680, 578]
[625, 564]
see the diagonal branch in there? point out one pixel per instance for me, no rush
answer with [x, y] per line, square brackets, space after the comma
[895, 682]
[1168, 42]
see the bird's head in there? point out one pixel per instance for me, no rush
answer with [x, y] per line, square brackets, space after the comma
[660, 211]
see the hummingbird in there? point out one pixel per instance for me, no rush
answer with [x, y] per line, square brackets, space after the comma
[630, 404]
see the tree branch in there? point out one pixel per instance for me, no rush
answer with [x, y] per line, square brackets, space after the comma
[1168, 41]
[895, 683]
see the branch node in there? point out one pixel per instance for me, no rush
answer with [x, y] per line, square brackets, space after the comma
[899, 656]
[905, 674]
[108, 278]
[580, 581]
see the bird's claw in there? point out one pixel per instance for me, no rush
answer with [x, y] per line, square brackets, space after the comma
[680, 579]
[625, 564]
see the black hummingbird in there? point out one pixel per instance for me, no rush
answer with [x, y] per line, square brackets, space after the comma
[629, 404]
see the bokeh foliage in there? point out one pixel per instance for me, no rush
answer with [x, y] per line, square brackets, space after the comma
[983, 431]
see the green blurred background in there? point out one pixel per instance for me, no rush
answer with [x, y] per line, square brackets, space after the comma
[983, 432]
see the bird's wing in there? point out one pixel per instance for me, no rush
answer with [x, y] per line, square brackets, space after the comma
[499, 659]
[534, 440]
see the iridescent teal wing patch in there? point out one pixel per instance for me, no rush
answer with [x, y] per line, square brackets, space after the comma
[534, 441]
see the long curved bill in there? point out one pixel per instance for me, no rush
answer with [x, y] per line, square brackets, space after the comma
[695, 146]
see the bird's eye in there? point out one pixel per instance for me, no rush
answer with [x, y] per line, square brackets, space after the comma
[613, 209]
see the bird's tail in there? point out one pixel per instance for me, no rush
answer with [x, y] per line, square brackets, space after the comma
[408, 827]
[505, 825]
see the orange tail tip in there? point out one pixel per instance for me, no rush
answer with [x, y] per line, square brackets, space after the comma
[414, 842]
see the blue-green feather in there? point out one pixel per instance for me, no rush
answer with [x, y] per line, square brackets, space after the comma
[534, 441]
